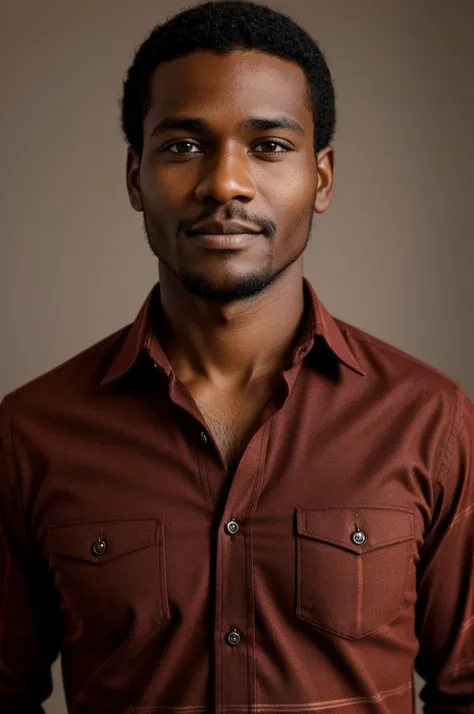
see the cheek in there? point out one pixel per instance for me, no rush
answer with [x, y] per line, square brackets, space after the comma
[159, 187]
[295, 208]
[157, 194]
[297, 191]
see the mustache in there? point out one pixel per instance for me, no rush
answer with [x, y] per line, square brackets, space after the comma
[268, 226]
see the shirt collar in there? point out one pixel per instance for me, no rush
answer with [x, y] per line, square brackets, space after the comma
[141, 336]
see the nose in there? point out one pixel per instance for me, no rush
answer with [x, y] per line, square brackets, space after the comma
[226, 176]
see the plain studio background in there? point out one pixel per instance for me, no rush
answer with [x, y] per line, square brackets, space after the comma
[393, 255]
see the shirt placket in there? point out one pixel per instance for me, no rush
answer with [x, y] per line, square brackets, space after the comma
[234, 634]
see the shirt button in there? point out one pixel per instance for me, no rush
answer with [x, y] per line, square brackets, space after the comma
[203, 437]
[99, 547]
[233, 638]
[358, 537]
[232, 527]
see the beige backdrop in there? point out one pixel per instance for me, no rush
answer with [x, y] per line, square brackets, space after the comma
[393, 255]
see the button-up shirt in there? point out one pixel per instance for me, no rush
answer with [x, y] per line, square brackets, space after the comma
[336, 559]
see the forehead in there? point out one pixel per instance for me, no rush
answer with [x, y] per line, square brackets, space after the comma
[226, 86]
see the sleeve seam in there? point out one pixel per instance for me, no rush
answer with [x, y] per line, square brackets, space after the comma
[11, 487]
[449, 450]
[10, 461]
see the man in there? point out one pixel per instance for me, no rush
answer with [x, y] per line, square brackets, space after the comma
[238, 503]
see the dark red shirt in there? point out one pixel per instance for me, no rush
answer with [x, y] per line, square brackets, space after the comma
[336, 559]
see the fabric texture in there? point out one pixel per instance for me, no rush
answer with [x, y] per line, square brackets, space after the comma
[337, 558]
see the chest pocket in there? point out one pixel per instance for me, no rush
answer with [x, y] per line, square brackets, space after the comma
[352, 566]
[111, 577]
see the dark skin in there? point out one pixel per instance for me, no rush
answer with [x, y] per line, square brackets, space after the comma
[230, 317]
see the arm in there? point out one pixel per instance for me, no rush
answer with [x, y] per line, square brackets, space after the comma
[28, 627]
[445, 605]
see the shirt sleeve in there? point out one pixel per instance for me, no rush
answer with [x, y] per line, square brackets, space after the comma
[445, 603]
[28, 625]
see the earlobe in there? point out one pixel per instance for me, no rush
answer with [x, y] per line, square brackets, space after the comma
[133, 180]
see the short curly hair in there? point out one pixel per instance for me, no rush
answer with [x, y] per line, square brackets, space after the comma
[221, 27]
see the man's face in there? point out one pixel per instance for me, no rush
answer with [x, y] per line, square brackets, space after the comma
[268, 178]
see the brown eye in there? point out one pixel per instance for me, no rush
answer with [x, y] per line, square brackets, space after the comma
[181, 143]
[273, 143]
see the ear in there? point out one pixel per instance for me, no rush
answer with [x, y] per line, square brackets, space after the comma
[326, 178]
[133, 180]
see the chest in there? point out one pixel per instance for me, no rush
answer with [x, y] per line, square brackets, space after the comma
[231, 419]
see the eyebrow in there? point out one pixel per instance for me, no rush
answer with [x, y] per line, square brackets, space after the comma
[197, 125]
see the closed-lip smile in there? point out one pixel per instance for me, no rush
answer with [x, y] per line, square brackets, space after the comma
[223, 228]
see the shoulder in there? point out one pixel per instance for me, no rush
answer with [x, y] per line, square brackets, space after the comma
[383, 361]
[70, 381]
[412, 392]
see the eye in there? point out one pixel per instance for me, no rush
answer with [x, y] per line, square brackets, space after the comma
[273, 142]
[181, 143]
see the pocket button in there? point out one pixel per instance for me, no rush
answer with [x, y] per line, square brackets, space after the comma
[358, 537]
[99, 547]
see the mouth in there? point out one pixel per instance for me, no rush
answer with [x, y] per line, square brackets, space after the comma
[224, 240]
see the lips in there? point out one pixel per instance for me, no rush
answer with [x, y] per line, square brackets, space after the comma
[219, 241]
[223, 228]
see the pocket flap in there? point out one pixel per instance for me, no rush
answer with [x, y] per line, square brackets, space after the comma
[336, 525]
[76, 540]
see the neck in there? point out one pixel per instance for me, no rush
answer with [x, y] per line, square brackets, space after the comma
[232, 345]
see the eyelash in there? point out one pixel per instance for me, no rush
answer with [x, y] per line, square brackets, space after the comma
[267, 141]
